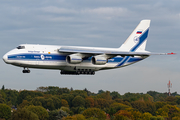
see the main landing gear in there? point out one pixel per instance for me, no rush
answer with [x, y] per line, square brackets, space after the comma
[26, 71]
[78, 72]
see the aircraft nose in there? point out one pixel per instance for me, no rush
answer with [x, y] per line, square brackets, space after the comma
[5, 58]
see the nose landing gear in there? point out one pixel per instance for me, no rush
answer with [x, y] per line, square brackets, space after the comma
[26, 71]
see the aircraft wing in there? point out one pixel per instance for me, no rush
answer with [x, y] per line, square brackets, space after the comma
[80, 50]
[97, 51]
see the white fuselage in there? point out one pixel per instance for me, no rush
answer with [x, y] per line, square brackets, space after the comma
[48, 57]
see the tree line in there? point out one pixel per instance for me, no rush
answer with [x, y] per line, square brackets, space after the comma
[54, 103]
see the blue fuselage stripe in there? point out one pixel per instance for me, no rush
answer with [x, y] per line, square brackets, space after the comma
[58, 57]
[36, 57]
[125, 59]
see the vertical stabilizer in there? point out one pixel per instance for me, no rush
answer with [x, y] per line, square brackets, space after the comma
[138, 38]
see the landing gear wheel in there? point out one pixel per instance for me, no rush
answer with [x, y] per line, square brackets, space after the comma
[92, 73]
[78, 72]
[26, 71]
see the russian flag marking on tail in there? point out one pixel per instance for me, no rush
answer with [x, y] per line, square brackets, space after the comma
[139, 32]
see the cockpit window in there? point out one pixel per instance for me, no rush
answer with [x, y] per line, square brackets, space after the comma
[21, 47]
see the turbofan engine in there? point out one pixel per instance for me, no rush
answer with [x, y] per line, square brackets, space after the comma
[74, 59]
[99, 60]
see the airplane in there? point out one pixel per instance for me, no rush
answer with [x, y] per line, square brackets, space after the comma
[76, 60]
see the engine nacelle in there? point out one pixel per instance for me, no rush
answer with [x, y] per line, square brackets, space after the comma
[74, 59]
[99, 60]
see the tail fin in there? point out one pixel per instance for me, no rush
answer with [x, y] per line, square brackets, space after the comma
[138, 38]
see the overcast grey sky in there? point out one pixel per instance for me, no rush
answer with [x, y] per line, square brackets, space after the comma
[98, 23]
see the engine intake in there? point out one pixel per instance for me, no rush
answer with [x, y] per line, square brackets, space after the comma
[74, 59]
[99, 60]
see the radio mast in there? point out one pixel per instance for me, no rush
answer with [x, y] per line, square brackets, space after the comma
[169, 87]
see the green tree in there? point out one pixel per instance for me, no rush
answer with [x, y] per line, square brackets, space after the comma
[118, 106]
[100, 91]
[169, 111]
[118, 100]
[24, 103]
[64, 103]
[88, 92]
[11, 96]
[28, 95]
[115, 95]
[71, 89]
[62, 114]
[120, 117]
[68, 98]
[140, 105]
[23, 114]
[105, 95]
[111, 112]
[2, 96]
[53, 90]
[40, 111]
[80, 110]
[94, 112]
[171, 100]
[66, 109]
[144, 106]
[178, 100]
[131, 96]
[176, 118]
[53, 115]
[56, 102]
[146, 116]
[89, 102]
[157, 96]
[151, 108]
[160, 104]
[160, 118]
[78, 101]
[38, 101]
[136, 115]
[69, 118]
[81, 93]
[74, 117]
[2, 100]
[102, 103]
[163, 112]
[5, 111]
[80, 117]
[63, 90]
[3, 88]
[124, 113]
[153, 118]
[50, 104]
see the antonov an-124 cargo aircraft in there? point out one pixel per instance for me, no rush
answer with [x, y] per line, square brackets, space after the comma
[75, 60]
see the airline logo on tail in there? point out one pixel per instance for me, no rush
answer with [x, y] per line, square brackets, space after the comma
[136, 39]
